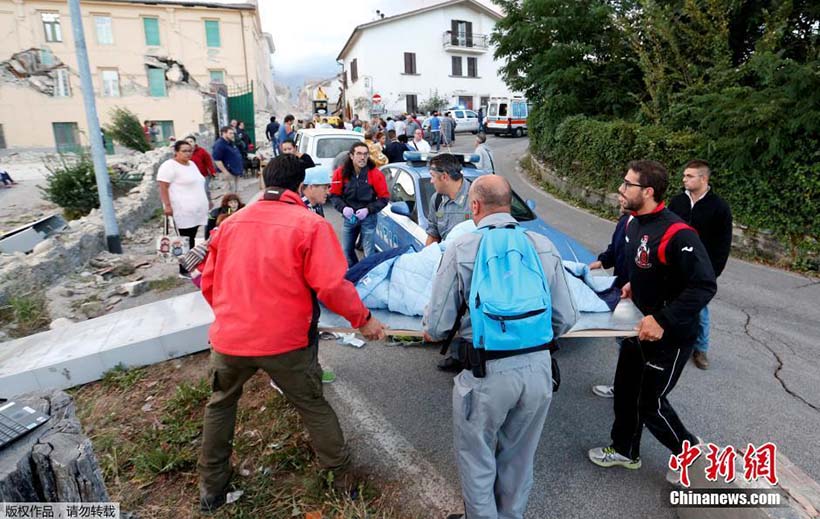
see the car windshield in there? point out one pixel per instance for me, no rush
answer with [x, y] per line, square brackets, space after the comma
[329, 147]
[520, 210]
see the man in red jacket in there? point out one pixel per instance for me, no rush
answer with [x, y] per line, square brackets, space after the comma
[268, 266]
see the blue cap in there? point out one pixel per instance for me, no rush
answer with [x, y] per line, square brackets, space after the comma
[316, 176]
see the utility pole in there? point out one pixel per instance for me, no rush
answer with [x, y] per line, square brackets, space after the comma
[112, 233]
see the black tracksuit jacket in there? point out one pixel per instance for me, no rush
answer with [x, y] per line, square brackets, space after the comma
[670, 273]
[712, 218]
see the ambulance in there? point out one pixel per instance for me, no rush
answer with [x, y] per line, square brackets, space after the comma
[507, 116]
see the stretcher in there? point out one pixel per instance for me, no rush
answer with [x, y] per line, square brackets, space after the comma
[621, 322]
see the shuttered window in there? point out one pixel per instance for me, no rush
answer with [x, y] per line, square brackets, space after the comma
[409, 62]
[354, 71]
[156, 82]
[457, 66]
[151, 26]
[212, 33]
[472, 67]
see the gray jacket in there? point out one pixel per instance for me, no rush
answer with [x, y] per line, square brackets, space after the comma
[455, 272]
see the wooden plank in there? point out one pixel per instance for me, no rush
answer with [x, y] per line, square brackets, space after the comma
[571, 335]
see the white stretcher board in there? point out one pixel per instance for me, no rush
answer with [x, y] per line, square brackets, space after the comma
[619, 323]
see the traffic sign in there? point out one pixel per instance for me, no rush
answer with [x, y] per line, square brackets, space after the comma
[377, 99]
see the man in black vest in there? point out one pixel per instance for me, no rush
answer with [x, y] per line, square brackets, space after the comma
[710, 215]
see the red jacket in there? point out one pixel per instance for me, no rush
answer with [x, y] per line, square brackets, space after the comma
[204, 162]
[358, 193]
[266, 266]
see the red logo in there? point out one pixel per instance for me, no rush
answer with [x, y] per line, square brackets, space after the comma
[642, 256]
[758, 462]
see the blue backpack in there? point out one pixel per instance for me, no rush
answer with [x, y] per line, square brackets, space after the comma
[510, 304]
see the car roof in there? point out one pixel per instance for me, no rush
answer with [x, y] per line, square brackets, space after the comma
[322, 132]
[422, 171]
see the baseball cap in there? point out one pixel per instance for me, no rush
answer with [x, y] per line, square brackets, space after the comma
[316, 177]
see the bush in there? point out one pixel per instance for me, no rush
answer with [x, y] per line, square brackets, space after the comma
[594, 153]
[126, 129]
[71, 185]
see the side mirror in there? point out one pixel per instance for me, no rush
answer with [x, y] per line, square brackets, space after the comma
[531, 204]
[400, 208]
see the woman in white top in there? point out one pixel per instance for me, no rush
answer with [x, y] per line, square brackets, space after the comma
[182, 190]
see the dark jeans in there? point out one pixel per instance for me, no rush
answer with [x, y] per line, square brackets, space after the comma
[190, 233]
[646, 373]
[299, 376]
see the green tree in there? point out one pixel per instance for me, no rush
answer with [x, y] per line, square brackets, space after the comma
[126, 129]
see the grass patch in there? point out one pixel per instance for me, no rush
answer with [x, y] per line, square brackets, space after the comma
[146, 428]
[120, 377]
[164, 284]
[25, 314]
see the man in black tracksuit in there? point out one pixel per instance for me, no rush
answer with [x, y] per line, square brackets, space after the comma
[670, 280]
[711, 217]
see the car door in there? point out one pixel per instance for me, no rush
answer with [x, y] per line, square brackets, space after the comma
[395, 230]
[470, 121]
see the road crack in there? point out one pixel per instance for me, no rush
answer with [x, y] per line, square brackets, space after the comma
[777, 358]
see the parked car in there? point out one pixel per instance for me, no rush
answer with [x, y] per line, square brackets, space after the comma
[404, 220]
[466, 120]
[323, 144]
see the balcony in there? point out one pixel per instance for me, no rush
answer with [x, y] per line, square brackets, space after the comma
[469, 43]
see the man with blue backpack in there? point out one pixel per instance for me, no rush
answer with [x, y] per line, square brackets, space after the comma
[510, 288]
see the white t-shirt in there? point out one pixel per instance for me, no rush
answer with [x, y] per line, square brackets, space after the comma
[400, 128]
[422, 145]
[187, 192]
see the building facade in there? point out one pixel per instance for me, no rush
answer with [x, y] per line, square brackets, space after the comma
[159, 59]
[438, 51]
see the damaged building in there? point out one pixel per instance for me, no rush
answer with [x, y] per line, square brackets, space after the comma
[161, 59]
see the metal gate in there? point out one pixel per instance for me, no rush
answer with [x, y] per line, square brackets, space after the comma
[240, 107]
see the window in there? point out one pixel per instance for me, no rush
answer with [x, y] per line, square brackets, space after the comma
[409, 62]
[485, 100]
[456, 66]
[166, 130]
[66, 136]
[354, 71]
[110, 83]
[217, 76]
[2, 138]
[51, 26]
[329, 147]
[472, 67]
[105, 36]
[404, 190]
[156, 82]
[212, 38]
[412, 103]
[519, 110]
[62, 87]
[46, 57]
[461, 33]
[151, 26]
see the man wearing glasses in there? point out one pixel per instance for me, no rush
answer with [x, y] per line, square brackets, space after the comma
[448, 207]
[670, 280]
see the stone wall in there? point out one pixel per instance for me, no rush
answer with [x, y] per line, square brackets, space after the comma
[84, 238]
[745, 241]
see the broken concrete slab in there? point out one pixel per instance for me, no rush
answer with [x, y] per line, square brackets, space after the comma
[82, 352]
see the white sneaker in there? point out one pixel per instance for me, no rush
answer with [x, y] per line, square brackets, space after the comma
[604, 391]
[608, 457]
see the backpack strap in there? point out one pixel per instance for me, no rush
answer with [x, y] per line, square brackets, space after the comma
[454, 330]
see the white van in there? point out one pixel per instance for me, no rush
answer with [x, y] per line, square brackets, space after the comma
[507, 116]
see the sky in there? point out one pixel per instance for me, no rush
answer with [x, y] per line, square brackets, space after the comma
[309, 34]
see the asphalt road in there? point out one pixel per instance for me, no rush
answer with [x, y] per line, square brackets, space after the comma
[763, 386]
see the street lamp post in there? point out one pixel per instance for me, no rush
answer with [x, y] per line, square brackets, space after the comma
[112, 233]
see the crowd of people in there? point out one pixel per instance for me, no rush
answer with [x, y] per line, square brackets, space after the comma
[666, 260]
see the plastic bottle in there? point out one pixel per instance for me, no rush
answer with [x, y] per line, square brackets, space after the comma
[353, 220]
